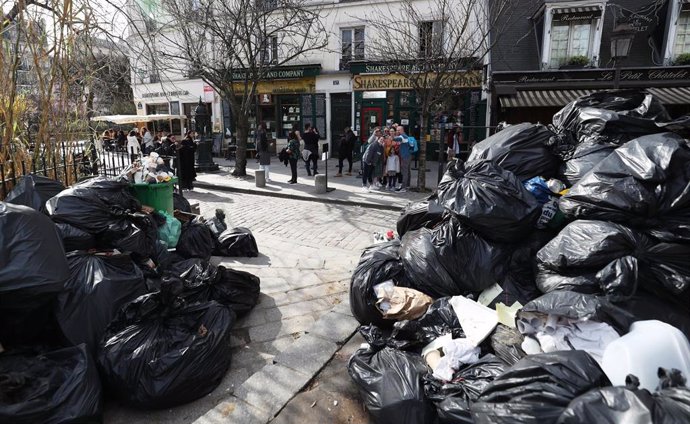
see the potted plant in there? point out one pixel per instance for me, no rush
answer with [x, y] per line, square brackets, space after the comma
[682, 59]
[576, 62]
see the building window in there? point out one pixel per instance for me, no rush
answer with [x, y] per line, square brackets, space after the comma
[681, 44]
[570, 39]
[267, 4]
[430, 38]
[269, 51]
[352, 42]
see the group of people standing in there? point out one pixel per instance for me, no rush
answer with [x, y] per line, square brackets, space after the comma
[386, 160]
[304, 146]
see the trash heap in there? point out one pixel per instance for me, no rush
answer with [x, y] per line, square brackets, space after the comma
[101, 295]
[547, 280]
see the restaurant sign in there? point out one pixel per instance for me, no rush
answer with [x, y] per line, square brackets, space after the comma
[165, 94]
[469, 79]
[674, 73]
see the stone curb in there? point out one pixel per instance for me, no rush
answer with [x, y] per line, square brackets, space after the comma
[261, 397]
[231, 189]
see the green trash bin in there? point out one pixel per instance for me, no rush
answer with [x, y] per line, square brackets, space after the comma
[158, 196]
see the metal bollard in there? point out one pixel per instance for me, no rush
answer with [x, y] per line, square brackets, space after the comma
[260, 178]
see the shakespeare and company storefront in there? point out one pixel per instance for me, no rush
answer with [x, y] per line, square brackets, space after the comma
[384, 97]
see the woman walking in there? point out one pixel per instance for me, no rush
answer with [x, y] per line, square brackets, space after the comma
[133, 146]
[185, 166]
[263, 151]
[293, 151]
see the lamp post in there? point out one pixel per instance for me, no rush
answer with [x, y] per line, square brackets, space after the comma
[621, 41]
[201, 121]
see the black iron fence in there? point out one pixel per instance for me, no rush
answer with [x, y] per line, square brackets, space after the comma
[67, 162]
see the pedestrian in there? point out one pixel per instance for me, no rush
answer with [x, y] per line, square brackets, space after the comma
[293, 151]
[347, 146]
[147, 140]
[133, 146]
[404, 158]
[311, 143]
[454, 141]
[372, 154]
[380, 165]
[392, 167]
[185, 165]
[263, 150]
[121, 141]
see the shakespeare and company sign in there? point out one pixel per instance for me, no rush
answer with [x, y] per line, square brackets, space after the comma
[469, 79]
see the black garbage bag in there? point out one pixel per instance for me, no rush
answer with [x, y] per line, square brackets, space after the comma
[390, 382]
[584, 158]
[672, 406]
[453, 398]
[34, 191]
[114, 192]
[131, 232]
[217, 224]
[491, 201]
[438, 320]
[506, 343]
[645, 306]
[161, 352]
[603, 257]
[99, 285]
[204, 282]
[378, 263]
[74, 238]
[607, 405]
[33, 270]
[644, 184]
[237, 242]
[581, 307]
[521, 149]
[55, 387]
[538, 388]
[424, 214]
[196, 240]
[451, 259]
[181, 204]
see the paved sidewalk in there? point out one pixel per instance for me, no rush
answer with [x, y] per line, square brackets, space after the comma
[307, 253]
[348, 189]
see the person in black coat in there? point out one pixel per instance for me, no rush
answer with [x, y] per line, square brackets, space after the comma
[347, 145]
[311, 143]
[185, 166]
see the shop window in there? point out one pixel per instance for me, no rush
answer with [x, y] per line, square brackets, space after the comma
[430, 38]
[269, 51]
[290, 114]
[681, 44]
[573, 35]
[352, 43]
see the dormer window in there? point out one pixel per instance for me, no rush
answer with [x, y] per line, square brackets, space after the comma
[573, 34]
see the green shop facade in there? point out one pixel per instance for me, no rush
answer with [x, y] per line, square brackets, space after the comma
[383, 97]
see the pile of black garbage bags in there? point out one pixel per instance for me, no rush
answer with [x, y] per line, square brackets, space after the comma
[566, 237]
[94, 304]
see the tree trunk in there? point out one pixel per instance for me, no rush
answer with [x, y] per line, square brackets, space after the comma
[242, 132]
[421, 159]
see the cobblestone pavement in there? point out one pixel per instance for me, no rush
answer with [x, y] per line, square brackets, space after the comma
[308, 251]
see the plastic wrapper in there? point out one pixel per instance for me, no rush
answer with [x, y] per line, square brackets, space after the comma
[424, 214]
[56, 387]
[204, 282]
[74, 238]
[196, 240]
[34, 191]
[453, 398]
[644, 184]
[378, 263]
[99, 285]
[161, 352]
[33, 270]
[603, 257]
[507, 344]
[452, 259]
[169, 233]
[521, 149]
[538, 388]
[217, 224]
[390, 382]
[237, 242]
[490, 200]
[539, 189]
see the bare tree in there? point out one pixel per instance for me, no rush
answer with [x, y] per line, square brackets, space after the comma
[438, 49]
[233, 45]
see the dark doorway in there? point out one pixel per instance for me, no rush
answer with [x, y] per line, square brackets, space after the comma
[341, 110]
